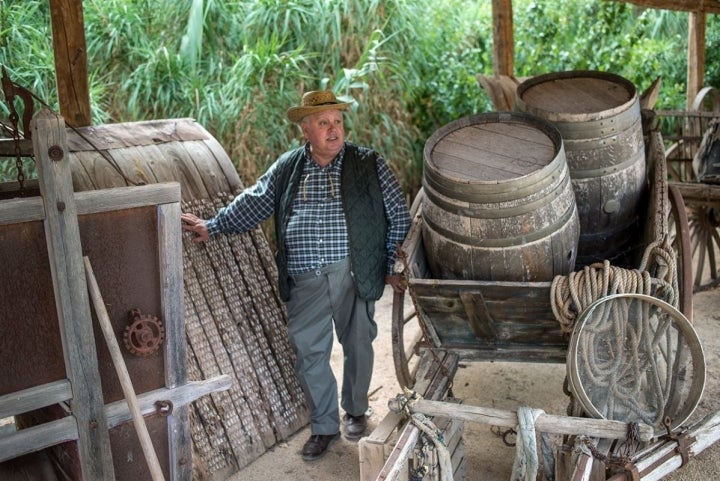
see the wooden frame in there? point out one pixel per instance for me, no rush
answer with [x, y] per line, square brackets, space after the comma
[59, 209]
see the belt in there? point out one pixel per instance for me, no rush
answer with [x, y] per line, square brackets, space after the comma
[330, 268]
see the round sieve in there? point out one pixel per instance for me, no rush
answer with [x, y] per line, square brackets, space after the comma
[635, 358]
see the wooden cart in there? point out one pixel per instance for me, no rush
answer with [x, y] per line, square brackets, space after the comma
[684, 134]
[514, 321]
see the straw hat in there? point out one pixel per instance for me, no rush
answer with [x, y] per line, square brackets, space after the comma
[316, 101]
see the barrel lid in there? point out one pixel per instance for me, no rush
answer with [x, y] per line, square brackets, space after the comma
[492, 147]
[575, 93]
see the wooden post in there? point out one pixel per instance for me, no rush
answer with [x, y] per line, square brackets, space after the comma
[503, 41]
[171, 272]
[62, 234]
[71, 74]
[695, 55]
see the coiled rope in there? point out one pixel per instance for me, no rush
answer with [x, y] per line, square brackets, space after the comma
[657, 275]
[616, 357]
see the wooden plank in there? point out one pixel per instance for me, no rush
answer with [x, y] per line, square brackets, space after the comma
[34, 398]
[93, 170]
[698, 193]
[128, 134]
[70, 53]
[118, 413]
[223, 160]
[709, 6]
[71, 294]
[509, 352]
[8, 146]
[13, 211]
[660, 459]
[374, 449]
[118, 198]
[207, 166]
[547, 423]
[480, 320]
[38, 437]
[65, 429]
[171, 300]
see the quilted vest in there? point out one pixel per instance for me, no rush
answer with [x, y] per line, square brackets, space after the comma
[364, 209]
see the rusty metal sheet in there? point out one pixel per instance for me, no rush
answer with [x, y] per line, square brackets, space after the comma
[30, 346]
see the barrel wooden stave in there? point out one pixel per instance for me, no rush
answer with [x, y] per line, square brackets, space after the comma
[516, 220]
[598, 115]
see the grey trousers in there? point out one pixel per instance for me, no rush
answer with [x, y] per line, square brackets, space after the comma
[317, 300]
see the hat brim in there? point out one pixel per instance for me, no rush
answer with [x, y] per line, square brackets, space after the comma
[296, 114]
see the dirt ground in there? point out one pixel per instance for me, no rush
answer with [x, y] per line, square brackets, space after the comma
[488, 384]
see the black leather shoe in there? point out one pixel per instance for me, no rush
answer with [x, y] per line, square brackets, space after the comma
[317, 445]
[355, 426]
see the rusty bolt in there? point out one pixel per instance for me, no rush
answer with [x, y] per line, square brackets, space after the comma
[61, 206]
[56, 153]
[182, 461]
[93, 424]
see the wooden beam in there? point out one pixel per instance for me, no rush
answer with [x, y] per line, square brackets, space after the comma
[695, 56]
[546, 423]
[503, 41]
[71, 74]
[62, 234]
[697, 6]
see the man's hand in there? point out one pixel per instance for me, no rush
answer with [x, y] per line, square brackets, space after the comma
[195, 224]
[397, 282]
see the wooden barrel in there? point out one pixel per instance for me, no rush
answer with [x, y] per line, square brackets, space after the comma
[598, 115]
[499, 204]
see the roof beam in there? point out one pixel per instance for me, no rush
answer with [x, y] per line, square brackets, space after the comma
[697, 6]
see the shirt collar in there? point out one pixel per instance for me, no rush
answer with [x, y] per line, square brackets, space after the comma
[337, 161]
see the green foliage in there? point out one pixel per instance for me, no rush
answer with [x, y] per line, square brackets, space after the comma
[410, 66]
[610, 36]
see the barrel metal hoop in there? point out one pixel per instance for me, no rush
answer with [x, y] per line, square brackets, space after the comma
[505, 241]
[495, 212]
[579, 174]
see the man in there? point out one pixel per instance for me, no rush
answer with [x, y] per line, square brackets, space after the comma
[339, 216]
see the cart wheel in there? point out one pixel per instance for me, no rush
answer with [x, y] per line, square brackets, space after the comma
[704, 221]
[404, 349]
[680, 240]
[679, 156]
[679, 161]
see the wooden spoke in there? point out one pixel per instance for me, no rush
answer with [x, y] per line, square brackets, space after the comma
[679, 233]
[703, 221]
[403, 348]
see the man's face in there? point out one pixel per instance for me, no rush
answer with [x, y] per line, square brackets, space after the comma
[325, 132]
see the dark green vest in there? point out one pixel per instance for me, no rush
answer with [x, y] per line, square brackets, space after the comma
[364, 209]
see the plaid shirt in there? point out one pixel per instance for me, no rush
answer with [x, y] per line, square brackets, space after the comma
[316, 234]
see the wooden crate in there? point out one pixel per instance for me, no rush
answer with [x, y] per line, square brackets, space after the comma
[425, 454]
[395, 442]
